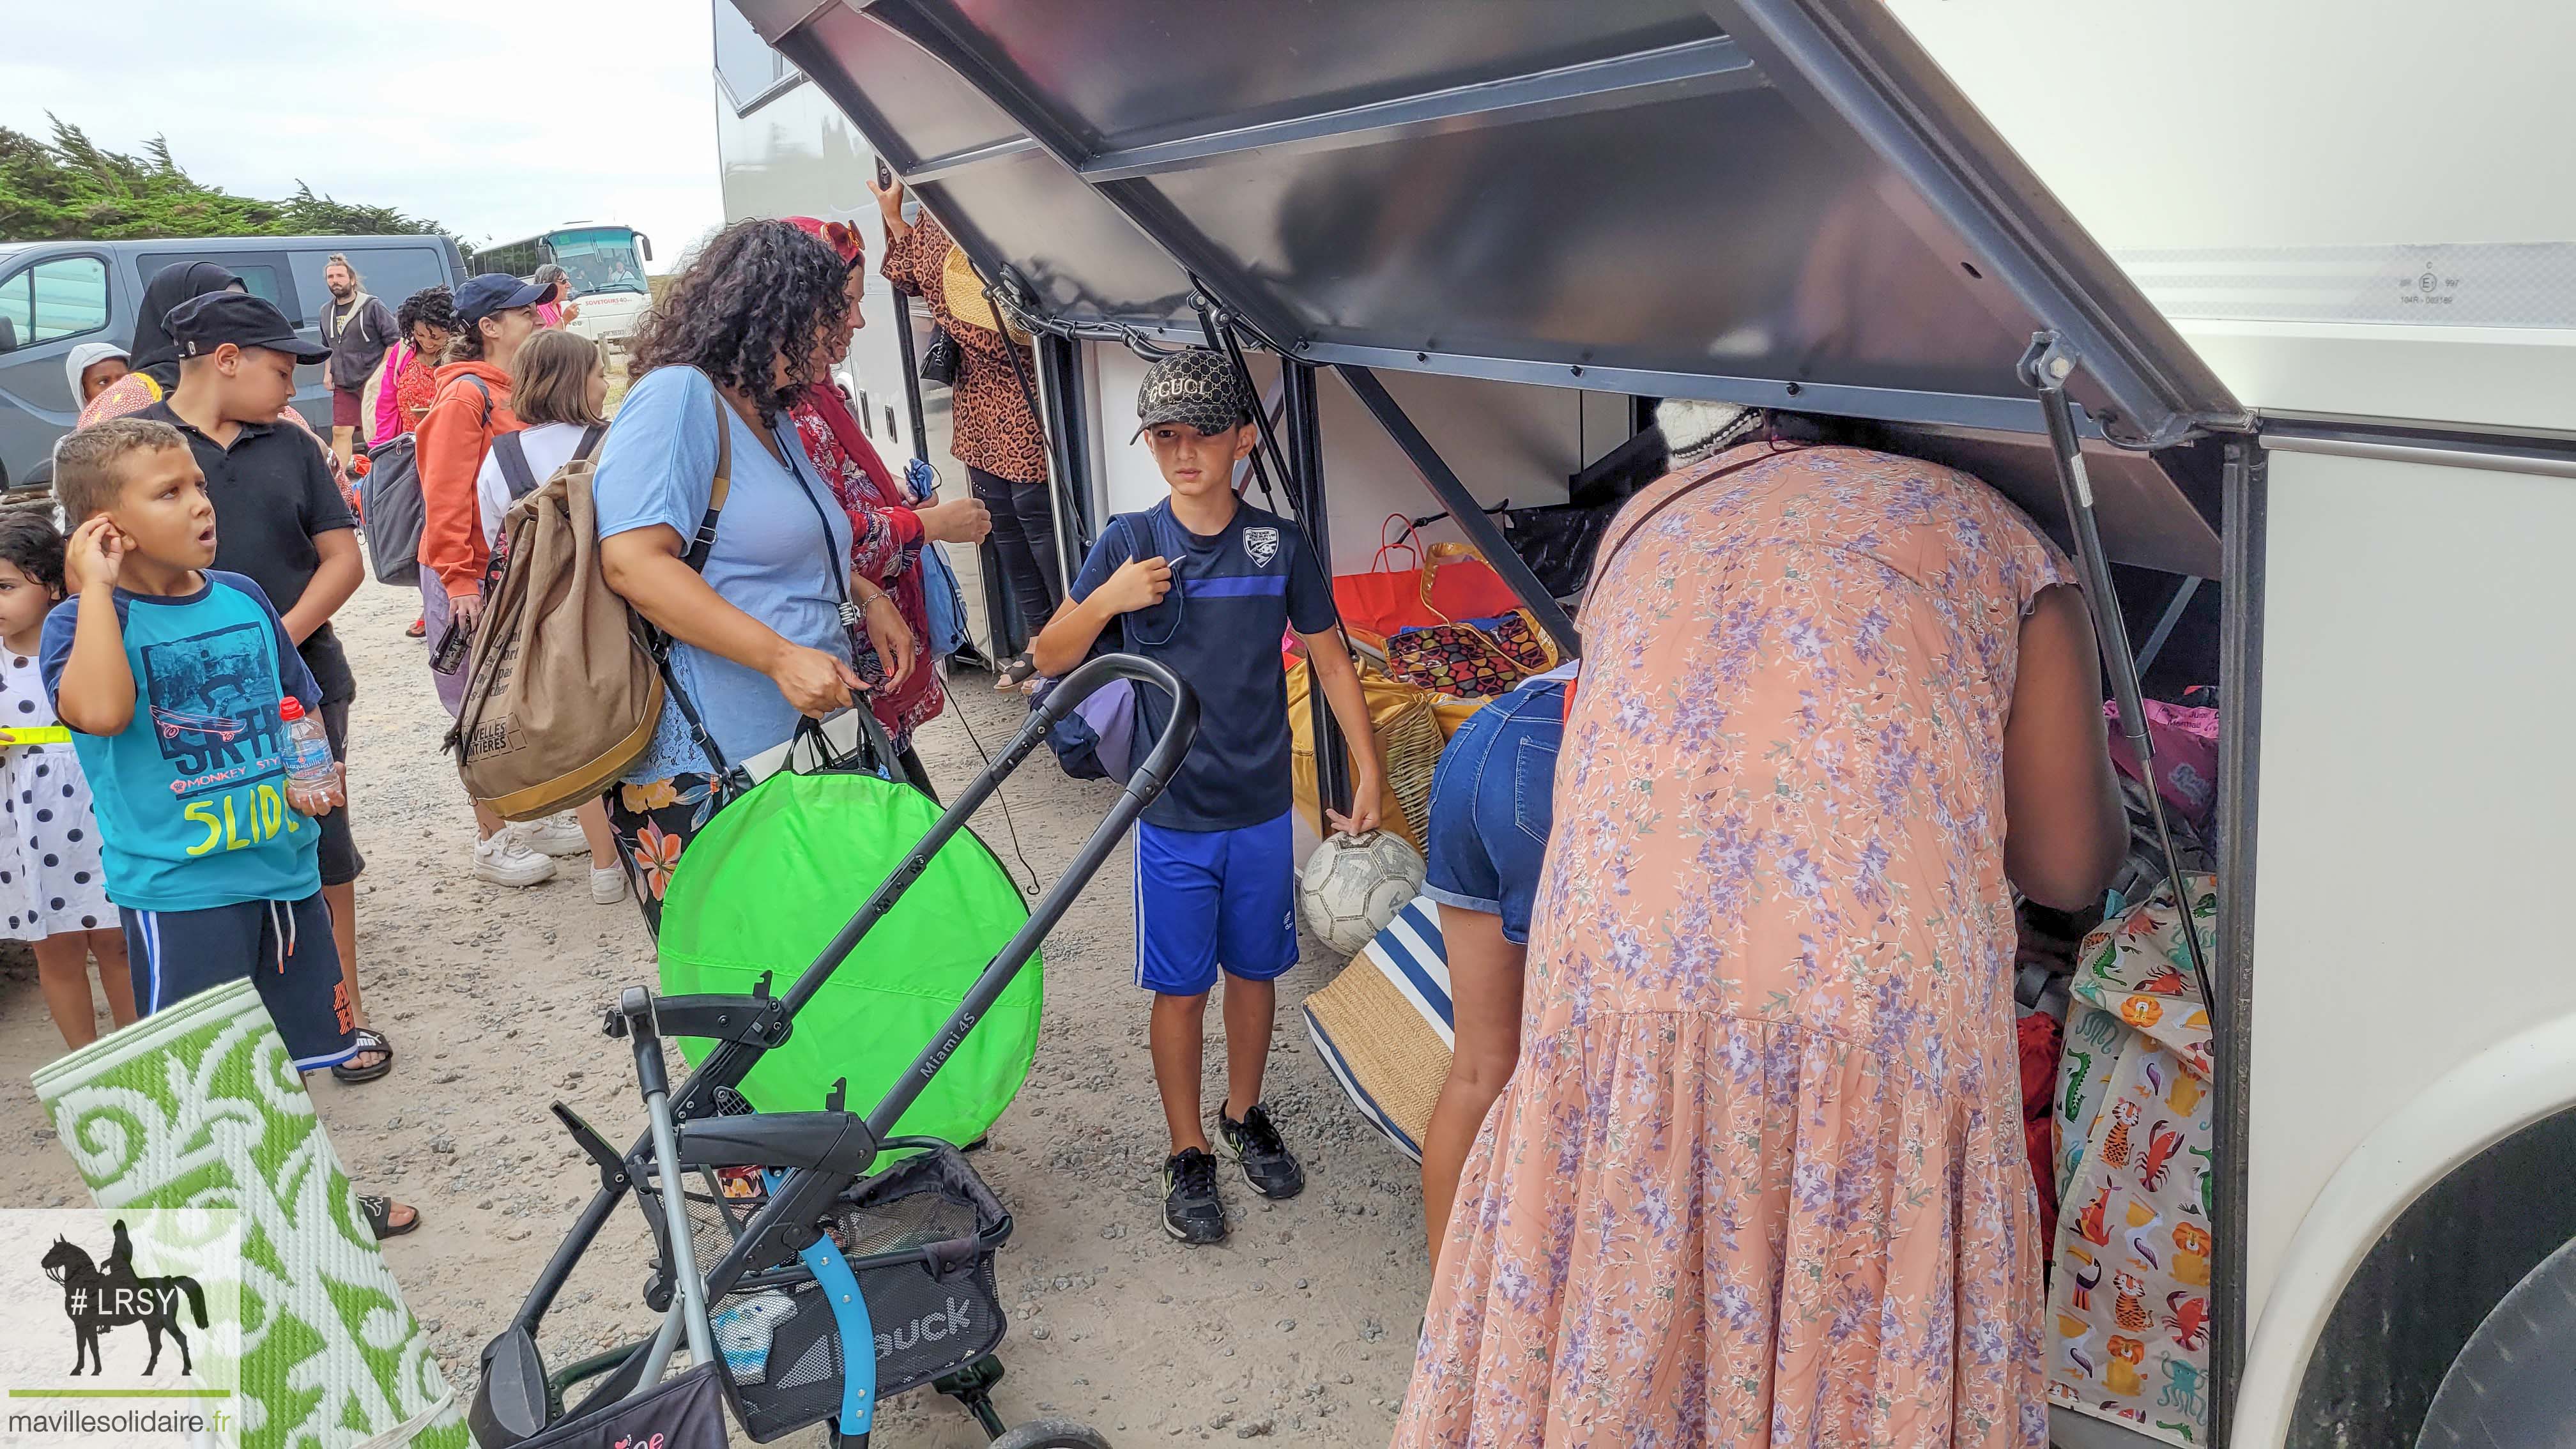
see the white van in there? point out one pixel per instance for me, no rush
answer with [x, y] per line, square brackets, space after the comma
[2330, 368]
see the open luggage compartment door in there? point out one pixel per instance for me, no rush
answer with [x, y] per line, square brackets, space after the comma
[1778, 202]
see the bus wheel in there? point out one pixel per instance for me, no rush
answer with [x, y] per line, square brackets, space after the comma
[2510, 1386]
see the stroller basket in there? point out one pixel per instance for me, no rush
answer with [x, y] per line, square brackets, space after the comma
[919, 1237]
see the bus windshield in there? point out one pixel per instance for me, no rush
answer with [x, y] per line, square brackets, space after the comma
[598, 259]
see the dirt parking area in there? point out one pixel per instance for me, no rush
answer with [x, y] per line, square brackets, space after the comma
[1300, 1327]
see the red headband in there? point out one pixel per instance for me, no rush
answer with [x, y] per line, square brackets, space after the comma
[841, 238]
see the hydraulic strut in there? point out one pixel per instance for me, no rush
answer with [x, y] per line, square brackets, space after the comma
[2046, 367]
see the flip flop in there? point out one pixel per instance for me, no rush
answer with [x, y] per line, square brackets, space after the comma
[369, 1040]
[419, 628]
[380, 1217]
[1016, 673]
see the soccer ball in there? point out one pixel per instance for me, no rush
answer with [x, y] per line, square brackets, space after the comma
[1354, 885]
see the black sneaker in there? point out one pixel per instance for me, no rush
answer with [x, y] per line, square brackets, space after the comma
[1191, 1209]
[1266, 1161]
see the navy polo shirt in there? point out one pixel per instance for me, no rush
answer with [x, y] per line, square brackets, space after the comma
[1233, 595]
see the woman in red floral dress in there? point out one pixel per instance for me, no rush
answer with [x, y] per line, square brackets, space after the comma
[887, 528]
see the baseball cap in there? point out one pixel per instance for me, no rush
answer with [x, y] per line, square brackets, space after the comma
[201, 324]
[492, 292]
[1197, 387]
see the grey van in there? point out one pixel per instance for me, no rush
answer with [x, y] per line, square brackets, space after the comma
[56, 295]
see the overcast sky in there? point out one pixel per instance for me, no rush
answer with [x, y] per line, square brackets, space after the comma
[588, 110]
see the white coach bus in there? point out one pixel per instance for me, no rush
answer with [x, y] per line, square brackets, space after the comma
[2318, 297]
[604, 264]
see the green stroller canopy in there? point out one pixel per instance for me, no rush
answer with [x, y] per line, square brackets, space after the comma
[779, 872]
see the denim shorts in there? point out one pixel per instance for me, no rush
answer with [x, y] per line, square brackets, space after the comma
[1493, 803]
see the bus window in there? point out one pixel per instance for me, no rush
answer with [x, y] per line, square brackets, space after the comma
[64, 297]
[599, 259]
[517, 259]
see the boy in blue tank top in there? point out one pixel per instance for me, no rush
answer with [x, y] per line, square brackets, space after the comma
[1207, 584]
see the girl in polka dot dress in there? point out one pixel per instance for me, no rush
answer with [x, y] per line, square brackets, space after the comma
[52, 891]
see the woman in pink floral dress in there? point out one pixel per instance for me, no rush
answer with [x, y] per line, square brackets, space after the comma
[1759, 1176]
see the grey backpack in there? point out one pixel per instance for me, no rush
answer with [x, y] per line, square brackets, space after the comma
[390, 511]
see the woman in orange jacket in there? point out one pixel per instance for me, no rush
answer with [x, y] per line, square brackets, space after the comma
[496, 313]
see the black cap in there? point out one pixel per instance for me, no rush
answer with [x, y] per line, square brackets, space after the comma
[1197, 387]
[202, 324]
[492, 292]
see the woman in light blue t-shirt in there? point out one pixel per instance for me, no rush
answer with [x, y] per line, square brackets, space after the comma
[758, 622]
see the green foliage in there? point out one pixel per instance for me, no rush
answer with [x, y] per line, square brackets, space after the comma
[71, 188]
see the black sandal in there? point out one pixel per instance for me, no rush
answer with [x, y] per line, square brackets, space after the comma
[369, 1040]
[1016, 673]
[380, 1217]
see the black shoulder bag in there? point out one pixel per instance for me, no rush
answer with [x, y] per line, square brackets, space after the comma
[941, 359]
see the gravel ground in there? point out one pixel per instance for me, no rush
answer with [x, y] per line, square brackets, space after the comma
[1299, 1327]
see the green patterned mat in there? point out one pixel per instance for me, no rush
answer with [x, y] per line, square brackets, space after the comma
[199, 1106]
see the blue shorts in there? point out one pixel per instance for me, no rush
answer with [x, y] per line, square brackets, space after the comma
[283, 947]
[1210, 898]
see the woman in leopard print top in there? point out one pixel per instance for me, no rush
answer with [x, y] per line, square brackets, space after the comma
[1002, 445]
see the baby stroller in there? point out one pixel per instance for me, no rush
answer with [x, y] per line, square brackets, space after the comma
[807, 1282]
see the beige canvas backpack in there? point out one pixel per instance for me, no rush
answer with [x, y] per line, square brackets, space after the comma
[565, 685]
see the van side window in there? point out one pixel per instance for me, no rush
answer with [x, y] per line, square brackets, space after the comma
[262, 282]
[389, 274]
[64, 297]
[259, 276]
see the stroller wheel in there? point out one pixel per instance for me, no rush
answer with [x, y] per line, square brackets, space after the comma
[1052, 1434]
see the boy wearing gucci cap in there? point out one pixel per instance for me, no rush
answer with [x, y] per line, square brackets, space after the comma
[1207, 583]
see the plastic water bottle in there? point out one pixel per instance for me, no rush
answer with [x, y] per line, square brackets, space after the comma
[309, 767]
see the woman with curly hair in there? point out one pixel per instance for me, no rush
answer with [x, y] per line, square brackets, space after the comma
[427, 321]
[408, 383]
[756, 594]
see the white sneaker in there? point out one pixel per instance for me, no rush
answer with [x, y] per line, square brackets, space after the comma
[503, 860]
[608, 886]
[554, 835]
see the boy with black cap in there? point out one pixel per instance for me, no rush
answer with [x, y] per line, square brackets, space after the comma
[283, 523]
[1206, 584]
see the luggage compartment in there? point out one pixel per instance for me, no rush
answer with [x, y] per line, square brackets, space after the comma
[1519, 216]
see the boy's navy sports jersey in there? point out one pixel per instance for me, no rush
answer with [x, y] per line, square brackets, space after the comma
[1232, 597]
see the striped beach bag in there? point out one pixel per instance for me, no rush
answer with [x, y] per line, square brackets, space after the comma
[1383, 1027]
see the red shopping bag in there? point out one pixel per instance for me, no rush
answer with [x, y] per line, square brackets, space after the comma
[1449, 581]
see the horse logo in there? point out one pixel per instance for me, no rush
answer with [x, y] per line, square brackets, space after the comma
[97, 1299]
